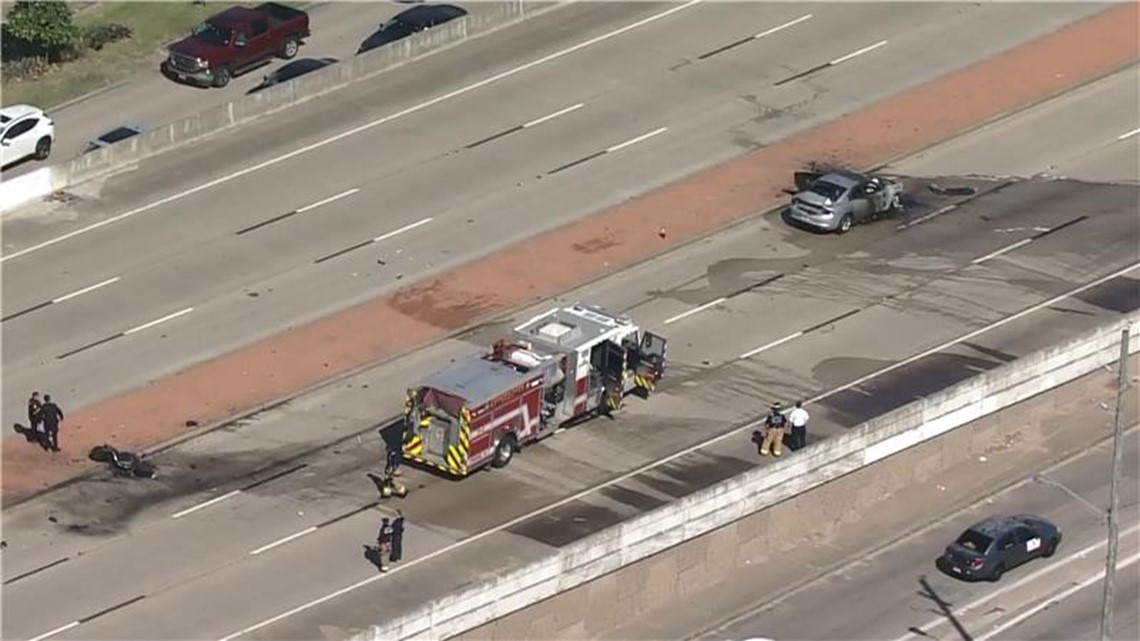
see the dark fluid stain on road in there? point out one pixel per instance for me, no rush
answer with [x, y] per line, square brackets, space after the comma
[1121, 294]
[694, 472]
[566, 524]
[107, 504]
[641, 501]
[435, 304]
[595, 245]
[899, 387]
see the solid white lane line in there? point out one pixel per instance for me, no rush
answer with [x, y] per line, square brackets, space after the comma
[563, 112]
[695, 310]
[770, 345]
[397, 232]
[356, 130]
[634, 141]
[85, 290]
[1008, 248]
[857, 53]
[1128, 135]
[158, 321]
[1054, 600]
[283, 541]
[782, 27]
[328, 200]
[977, 332]
[1009, 587]
[663, 461]
[62, 628]
[217, 499]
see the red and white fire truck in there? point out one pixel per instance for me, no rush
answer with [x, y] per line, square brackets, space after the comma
[556, 367]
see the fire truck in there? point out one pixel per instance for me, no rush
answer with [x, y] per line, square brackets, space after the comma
[559, 366]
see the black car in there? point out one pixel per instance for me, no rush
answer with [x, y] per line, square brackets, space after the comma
[414, 20]
[292, 70]
[998, 544]
[117, 134]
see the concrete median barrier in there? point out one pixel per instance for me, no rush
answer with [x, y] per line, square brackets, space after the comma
[490, 17]
[759, 489]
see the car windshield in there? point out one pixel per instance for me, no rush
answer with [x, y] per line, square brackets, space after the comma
[827, 189]
[211, 33]
[975, 541]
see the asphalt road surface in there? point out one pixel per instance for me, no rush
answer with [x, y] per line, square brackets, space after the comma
[225, 550]
[896, 594]
[149, 100]
[161, 287]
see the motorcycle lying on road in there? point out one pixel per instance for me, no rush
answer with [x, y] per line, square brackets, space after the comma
[123, 463]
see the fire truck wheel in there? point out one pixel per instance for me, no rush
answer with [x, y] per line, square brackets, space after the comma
[505, 451]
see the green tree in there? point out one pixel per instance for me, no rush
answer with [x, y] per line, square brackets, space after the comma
[44, 24]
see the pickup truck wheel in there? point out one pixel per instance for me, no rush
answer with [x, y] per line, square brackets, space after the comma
[504, 451]
[43, 148]
[222, 78]
[289, 49]
[845, 224]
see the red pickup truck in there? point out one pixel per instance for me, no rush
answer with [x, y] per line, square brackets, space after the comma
[234, 41]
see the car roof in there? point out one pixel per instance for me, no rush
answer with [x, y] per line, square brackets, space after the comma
[13, 112]
[120, 133]
[424, 13]
[842, 178]
[997, 525]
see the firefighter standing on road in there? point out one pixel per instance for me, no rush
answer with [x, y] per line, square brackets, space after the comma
[774, 432]
[384, 544]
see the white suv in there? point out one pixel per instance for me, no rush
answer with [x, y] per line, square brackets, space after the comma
[24, 131]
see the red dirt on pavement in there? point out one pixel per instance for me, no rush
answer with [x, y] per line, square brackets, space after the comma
[273, 368]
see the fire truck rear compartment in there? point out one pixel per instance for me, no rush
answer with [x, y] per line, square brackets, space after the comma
[472, 383]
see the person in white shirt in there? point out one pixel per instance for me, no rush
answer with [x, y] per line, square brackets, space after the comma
[798, 418]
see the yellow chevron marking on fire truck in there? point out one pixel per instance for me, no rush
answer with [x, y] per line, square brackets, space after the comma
[643, 382]
[414, 446]
[465, 430]
[456, 460]
[409, 398]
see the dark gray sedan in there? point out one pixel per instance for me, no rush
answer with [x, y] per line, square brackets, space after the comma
[998, 544]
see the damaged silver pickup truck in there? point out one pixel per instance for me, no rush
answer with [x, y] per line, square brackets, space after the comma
[836, 200]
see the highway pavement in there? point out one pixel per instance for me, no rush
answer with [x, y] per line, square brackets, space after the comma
[212, 247]
[897, 313]
[149, 100]
[898, 594]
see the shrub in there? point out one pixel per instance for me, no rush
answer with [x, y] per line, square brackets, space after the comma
[24, 69]
[96, 36]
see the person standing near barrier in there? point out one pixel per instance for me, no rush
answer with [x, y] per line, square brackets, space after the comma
[774, 432]
[798, 419]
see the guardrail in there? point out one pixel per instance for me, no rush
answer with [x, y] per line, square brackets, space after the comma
[760, 488]
[47, 180]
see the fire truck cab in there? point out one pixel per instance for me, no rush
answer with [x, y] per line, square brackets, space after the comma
[556, 367]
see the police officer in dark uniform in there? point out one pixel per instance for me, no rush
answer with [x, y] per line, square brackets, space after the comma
[51, 415]
[397, 538]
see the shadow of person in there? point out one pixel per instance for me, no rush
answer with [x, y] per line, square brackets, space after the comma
[372, 553]
[32, 436]
[377, 480]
